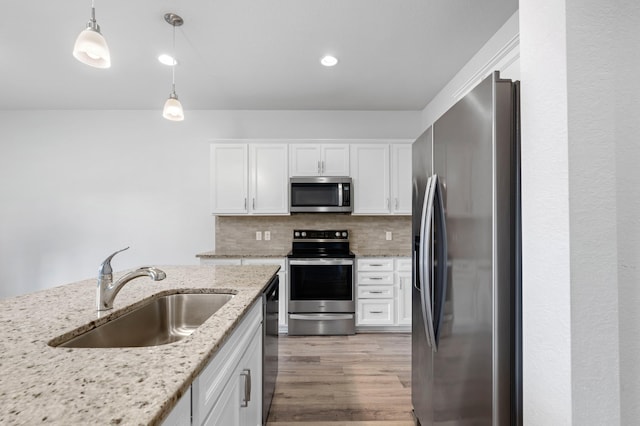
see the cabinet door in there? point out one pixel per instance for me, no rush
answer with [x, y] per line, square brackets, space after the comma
[335, 160]
[229, 178]
[404, 298]
[226, 411]
[304, 160]
[251, 383]
[401, 179]
[269, 179]
[370, 173]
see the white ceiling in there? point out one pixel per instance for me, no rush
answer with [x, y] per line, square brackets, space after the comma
[243, 54]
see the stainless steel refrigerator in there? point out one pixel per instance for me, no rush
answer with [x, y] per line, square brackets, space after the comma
[466, 332]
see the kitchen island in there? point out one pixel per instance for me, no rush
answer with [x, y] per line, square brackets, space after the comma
[133, 386]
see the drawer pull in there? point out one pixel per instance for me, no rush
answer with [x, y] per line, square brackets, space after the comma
[375, 312]
[375, 278]
[376, 264]
[375, 292]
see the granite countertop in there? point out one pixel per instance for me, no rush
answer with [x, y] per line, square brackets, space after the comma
[357, 252]
[221, 255]
[124, 386]
[381, 253]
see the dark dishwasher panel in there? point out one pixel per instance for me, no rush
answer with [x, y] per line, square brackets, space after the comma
[270, 345]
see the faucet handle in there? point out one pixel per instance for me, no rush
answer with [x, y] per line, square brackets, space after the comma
[105, 267]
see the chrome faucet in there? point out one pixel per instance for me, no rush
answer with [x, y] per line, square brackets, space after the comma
[107, 289]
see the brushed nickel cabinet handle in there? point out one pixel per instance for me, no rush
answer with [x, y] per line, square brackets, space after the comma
[246, 373]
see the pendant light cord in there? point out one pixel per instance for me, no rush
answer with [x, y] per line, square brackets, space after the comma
[175, 61]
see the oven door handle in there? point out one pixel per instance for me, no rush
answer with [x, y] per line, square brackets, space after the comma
[322, 262]
[323, 317]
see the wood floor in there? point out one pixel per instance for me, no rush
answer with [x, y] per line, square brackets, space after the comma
[360, 380]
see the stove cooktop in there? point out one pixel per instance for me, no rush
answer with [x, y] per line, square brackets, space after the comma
[311, 243]
[320, 255]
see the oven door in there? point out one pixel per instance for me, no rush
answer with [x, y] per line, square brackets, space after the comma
[321, 285]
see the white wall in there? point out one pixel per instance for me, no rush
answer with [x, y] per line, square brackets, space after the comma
[77, 185]
[626, 92]
[545, 206]
[580, 105]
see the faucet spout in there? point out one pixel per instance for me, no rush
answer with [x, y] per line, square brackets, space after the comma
[107, 289]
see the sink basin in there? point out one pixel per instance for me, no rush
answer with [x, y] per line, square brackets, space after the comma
[163, 320]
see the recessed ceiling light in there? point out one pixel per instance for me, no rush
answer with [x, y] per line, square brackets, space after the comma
[167, 60]
[329, 61]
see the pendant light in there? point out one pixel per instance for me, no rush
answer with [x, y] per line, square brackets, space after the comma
[172, 107]
[91, 47]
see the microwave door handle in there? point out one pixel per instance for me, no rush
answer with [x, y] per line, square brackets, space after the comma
[339, 195]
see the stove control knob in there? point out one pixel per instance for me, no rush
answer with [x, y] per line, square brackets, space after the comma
[337, 234]
[304, 234]
[344, 235]
[296, 234]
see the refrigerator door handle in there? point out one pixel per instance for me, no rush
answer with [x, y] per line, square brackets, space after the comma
[425, 262]
[442, 259]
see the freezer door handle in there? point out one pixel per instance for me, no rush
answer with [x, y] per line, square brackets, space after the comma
[425, 261]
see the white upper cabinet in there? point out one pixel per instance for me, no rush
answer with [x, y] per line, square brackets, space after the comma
[249, 179]
[311, 159]
[229, 178]
[401, 178]
[334, 160]
[382, 178]
[370, 174]
[269, 179]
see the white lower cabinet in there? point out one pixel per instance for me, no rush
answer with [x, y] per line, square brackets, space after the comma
[383, 293]
[282, 277]
[229, 389]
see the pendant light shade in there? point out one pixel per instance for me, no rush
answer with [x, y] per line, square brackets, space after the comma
[91, 47]
[172, 107]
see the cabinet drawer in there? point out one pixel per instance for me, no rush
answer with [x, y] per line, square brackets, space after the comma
[375, 264]
[375, 278]
[375, 312]
[375, 292]
[403, 264]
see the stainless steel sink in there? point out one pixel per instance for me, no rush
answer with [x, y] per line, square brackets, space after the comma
[160, 321]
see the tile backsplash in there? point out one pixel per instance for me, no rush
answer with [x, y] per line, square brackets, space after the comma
[237, 234]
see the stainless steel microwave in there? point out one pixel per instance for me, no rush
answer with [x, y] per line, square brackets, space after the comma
[321, 194]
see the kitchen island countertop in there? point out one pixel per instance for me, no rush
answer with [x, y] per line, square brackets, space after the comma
[125, 386]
